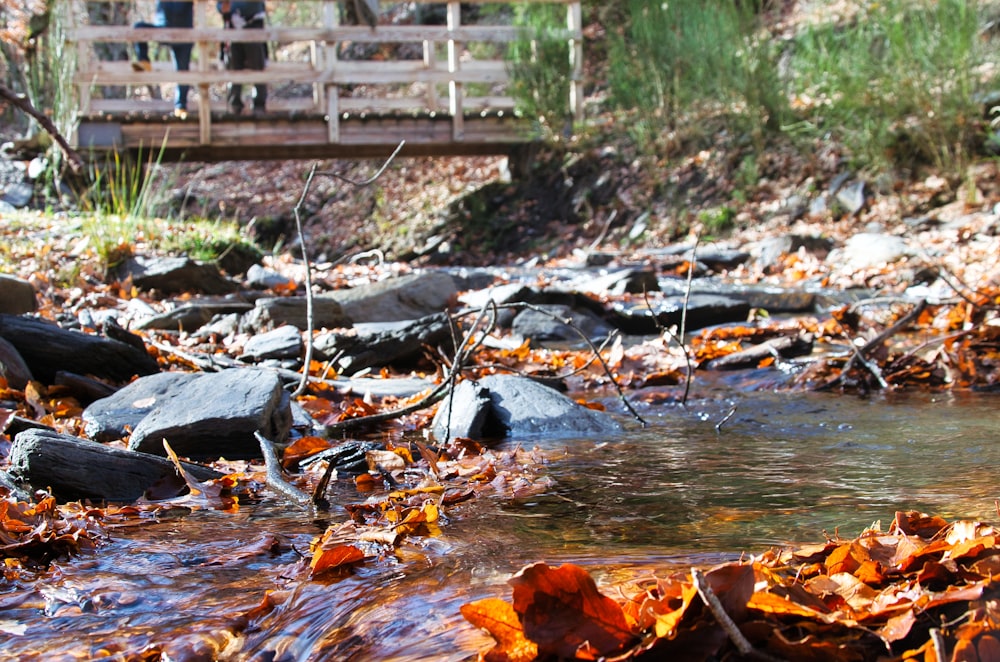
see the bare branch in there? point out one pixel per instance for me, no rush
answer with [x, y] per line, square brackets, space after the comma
[310, 320]
[76, 163]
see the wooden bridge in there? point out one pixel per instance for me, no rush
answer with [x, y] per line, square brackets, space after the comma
[335, 90]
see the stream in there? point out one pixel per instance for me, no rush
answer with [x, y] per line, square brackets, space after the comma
[692, 487]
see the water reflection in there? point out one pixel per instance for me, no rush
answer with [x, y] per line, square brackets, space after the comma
[782, 469]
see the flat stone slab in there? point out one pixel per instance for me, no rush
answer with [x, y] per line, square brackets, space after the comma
[48, 348]
[175, 274]
[396, 299]
[272, 312]
[201, 415]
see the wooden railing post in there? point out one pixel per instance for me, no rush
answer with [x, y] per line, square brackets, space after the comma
[201, 8]
[574, 23]
[456, 104]
[329, 92]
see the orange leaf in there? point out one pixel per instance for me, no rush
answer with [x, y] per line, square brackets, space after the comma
[328, 559]
[666, 615]
[303, 448]
[564, 613]
[498, 618]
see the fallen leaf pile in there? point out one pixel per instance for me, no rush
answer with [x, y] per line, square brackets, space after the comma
[923, 590]
[36, 533]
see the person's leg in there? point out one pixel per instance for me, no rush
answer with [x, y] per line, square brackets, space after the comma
[257, 60]
[182, 60]
[237, 59]
[141, 49]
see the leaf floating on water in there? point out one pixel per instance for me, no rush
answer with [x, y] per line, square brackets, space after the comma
[336, 557]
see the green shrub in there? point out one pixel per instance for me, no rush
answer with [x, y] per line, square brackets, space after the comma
[677, 62]
[898, 85]
[539, 66]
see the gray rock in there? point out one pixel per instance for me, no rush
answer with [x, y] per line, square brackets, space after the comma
[171, 275]
[78, 469]
[12, 366]
[221, 325]
[465, 413]
[16, 296]
[216, 415]
[201, 415]
[273, 312]
[47, 349]
[868, 250]
[702, 310]
[622, 281]
[285, 342]
[377, 345]
[403, 298]
[261, 278]
[517, 407]
[852, 197]
[192, 316]
[19, 195]
[769, 251]
[111, 418]
[555, 323]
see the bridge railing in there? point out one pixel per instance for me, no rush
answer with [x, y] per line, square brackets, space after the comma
[456, 68]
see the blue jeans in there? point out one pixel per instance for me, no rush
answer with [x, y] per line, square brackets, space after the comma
[182, 61]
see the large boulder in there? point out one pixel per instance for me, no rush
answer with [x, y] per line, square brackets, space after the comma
[513, 406]
[204, 415]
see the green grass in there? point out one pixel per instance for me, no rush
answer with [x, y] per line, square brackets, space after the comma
[899, 84]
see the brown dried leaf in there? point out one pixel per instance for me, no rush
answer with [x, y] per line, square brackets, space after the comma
[498, 617]
[564, 613]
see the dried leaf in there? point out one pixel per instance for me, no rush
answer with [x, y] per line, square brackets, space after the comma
[336, 557]
[498, 617]
[564, 613]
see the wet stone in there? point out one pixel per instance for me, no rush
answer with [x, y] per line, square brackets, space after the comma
[513, 406]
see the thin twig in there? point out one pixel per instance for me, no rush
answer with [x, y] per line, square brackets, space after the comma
[940, 647]
[310, 321]
[273, 472]
[725, 419]
[860, 354]
[684, 312]
[715, 606]
[732, 630]
[677, 341]
[22, 102]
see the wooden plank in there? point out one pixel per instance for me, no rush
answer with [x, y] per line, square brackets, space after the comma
[346, 73]
[383, 34]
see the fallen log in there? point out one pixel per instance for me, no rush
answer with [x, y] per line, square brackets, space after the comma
[72, 468]
[47, 349]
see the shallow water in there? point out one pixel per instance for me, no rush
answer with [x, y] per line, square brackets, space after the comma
[688, 488]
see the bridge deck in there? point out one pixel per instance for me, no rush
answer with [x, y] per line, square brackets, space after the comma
[324, 101]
